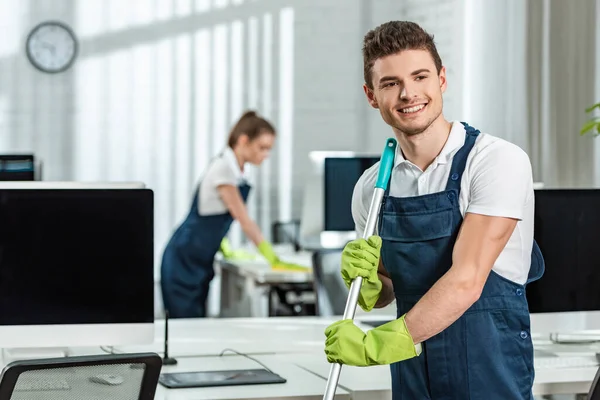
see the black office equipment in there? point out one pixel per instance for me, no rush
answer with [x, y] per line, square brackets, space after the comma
[219, 378]
[76, 256]
[166, 359]
[340, 177]
[17, 167]
[567, 222]
[82, 377]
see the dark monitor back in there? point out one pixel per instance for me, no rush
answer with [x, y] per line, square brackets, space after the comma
[340, 177]
[15, 167]
[567, 223]
[76, 256]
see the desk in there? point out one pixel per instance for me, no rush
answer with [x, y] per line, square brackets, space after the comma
[246, 285]
[300, 341]
[374, 383]
[300, 384]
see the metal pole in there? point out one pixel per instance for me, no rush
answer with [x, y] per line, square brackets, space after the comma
[385, 170]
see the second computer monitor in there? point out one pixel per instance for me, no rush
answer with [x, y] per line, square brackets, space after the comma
[340, 177]
[566, 226]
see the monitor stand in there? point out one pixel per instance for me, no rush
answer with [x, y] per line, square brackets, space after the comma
[32, 353]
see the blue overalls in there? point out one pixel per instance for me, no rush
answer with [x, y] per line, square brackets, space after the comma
[487, 353]
[187, 262]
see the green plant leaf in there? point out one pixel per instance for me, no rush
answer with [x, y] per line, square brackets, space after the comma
[590, 125]
[592, 108]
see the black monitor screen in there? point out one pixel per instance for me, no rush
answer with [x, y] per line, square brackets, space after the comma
[76, 256]
[15, 167]
[340, 177]
[567, 223]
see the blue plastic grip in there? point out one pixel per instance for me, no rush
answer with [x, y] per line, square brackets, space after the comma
[386, 163]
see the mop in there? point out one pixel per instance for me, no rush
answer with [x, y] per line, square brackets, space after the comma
[385, 170]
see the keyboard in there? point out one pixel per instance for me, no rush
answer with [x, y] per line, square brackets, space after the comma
[565, 362]
[30, 385]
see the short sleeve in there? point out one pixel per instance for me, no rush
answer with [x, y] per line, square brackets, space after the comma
[221, 174]
[359, 209]
[501, 181]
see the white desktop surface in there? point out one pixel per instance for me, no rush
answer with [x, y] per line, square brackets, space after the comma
[300, 384]
[375, 382]
[261, 271]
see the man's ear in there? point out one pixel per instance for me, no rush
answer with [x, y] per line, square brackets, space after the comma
[370, 97]
[443, 81]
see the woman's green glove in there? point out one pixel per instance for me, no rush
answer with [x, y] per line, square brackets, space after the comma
[225, 248]
[347, 344]
[361, 258]
[268, 253]
[230, 254]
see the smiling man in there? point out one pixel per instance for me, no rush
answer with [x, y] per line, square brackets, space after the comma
[454, 245]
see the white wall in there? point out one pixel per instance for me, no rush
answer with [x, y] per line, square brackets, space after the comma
[158, 83]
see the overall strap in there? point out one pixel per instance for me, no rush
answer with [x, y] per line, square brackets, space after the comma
[460, 158]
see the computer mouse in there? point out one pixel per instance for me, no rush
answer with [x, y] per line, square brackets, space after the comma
[107, 379]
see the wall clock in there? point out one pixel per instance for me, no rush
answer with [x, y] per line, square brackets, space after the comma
[52, 46]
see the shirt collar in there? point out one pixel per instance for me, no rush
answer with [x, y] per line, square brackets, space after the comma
[455, 141]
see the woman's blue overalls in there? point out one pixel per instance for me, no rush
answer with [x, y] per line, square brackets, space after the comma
[187, 262]
[487, 353]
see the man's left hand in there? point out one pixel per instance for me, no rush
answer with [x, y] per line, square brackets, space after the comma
[347, 344]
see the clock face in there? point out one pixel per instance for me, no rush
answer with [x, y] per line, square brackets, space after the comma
[51, 47]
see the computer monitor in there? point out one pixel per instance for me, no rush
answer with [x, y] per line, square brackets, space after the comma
[17, 167]
[313, 232]
[566, 226]
[76, 264]
[341, 175]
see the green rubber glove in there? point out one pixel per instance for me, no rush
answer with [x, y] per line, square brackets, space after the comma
[225, 248]
[361, 258]
[347, 344]
[239, 254]
[268, 253]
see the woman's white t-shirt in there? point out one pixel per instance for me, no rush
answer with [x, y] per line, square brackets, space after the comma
[222, 170]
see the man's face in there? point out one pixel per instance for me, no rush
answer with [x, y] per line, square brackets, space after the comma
[407, 90]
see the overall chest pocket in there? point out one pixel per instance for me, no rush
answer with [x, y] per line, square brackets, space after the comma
[417, 226]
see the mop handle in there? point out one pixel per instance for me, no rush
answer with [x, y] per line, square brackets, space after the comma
[385, 171]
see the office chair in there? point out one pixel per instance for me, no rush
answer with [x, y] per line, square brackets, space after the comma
[289, 232]
[286, 232]
[330, 289]
[110, 376]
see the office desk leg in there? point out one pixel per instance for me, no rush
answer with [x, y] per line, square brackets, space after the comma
[258, 298]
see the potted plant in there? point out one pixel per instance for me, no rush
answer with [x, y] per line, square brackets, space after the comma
[593, 125]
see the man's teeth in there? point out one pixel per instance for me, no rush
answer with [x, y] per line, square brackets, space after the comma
[413, 109]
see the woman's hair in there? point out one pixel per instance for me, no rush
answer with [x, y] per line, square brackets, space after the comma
[251, 125]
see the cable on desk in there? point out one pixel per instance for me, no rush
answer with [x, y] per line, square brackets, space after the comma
[109, 349]
[247, 356]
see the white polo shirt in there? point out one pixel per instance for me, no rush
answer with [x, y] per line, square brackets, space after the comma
[497, 182]
[222, 170]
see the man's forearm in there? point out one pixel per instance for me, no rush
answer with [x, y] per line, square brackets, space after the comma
[442, 305]
[386, 296]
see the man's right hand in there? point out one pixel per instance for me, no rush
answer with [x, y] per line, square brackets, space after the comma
[361, 258]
